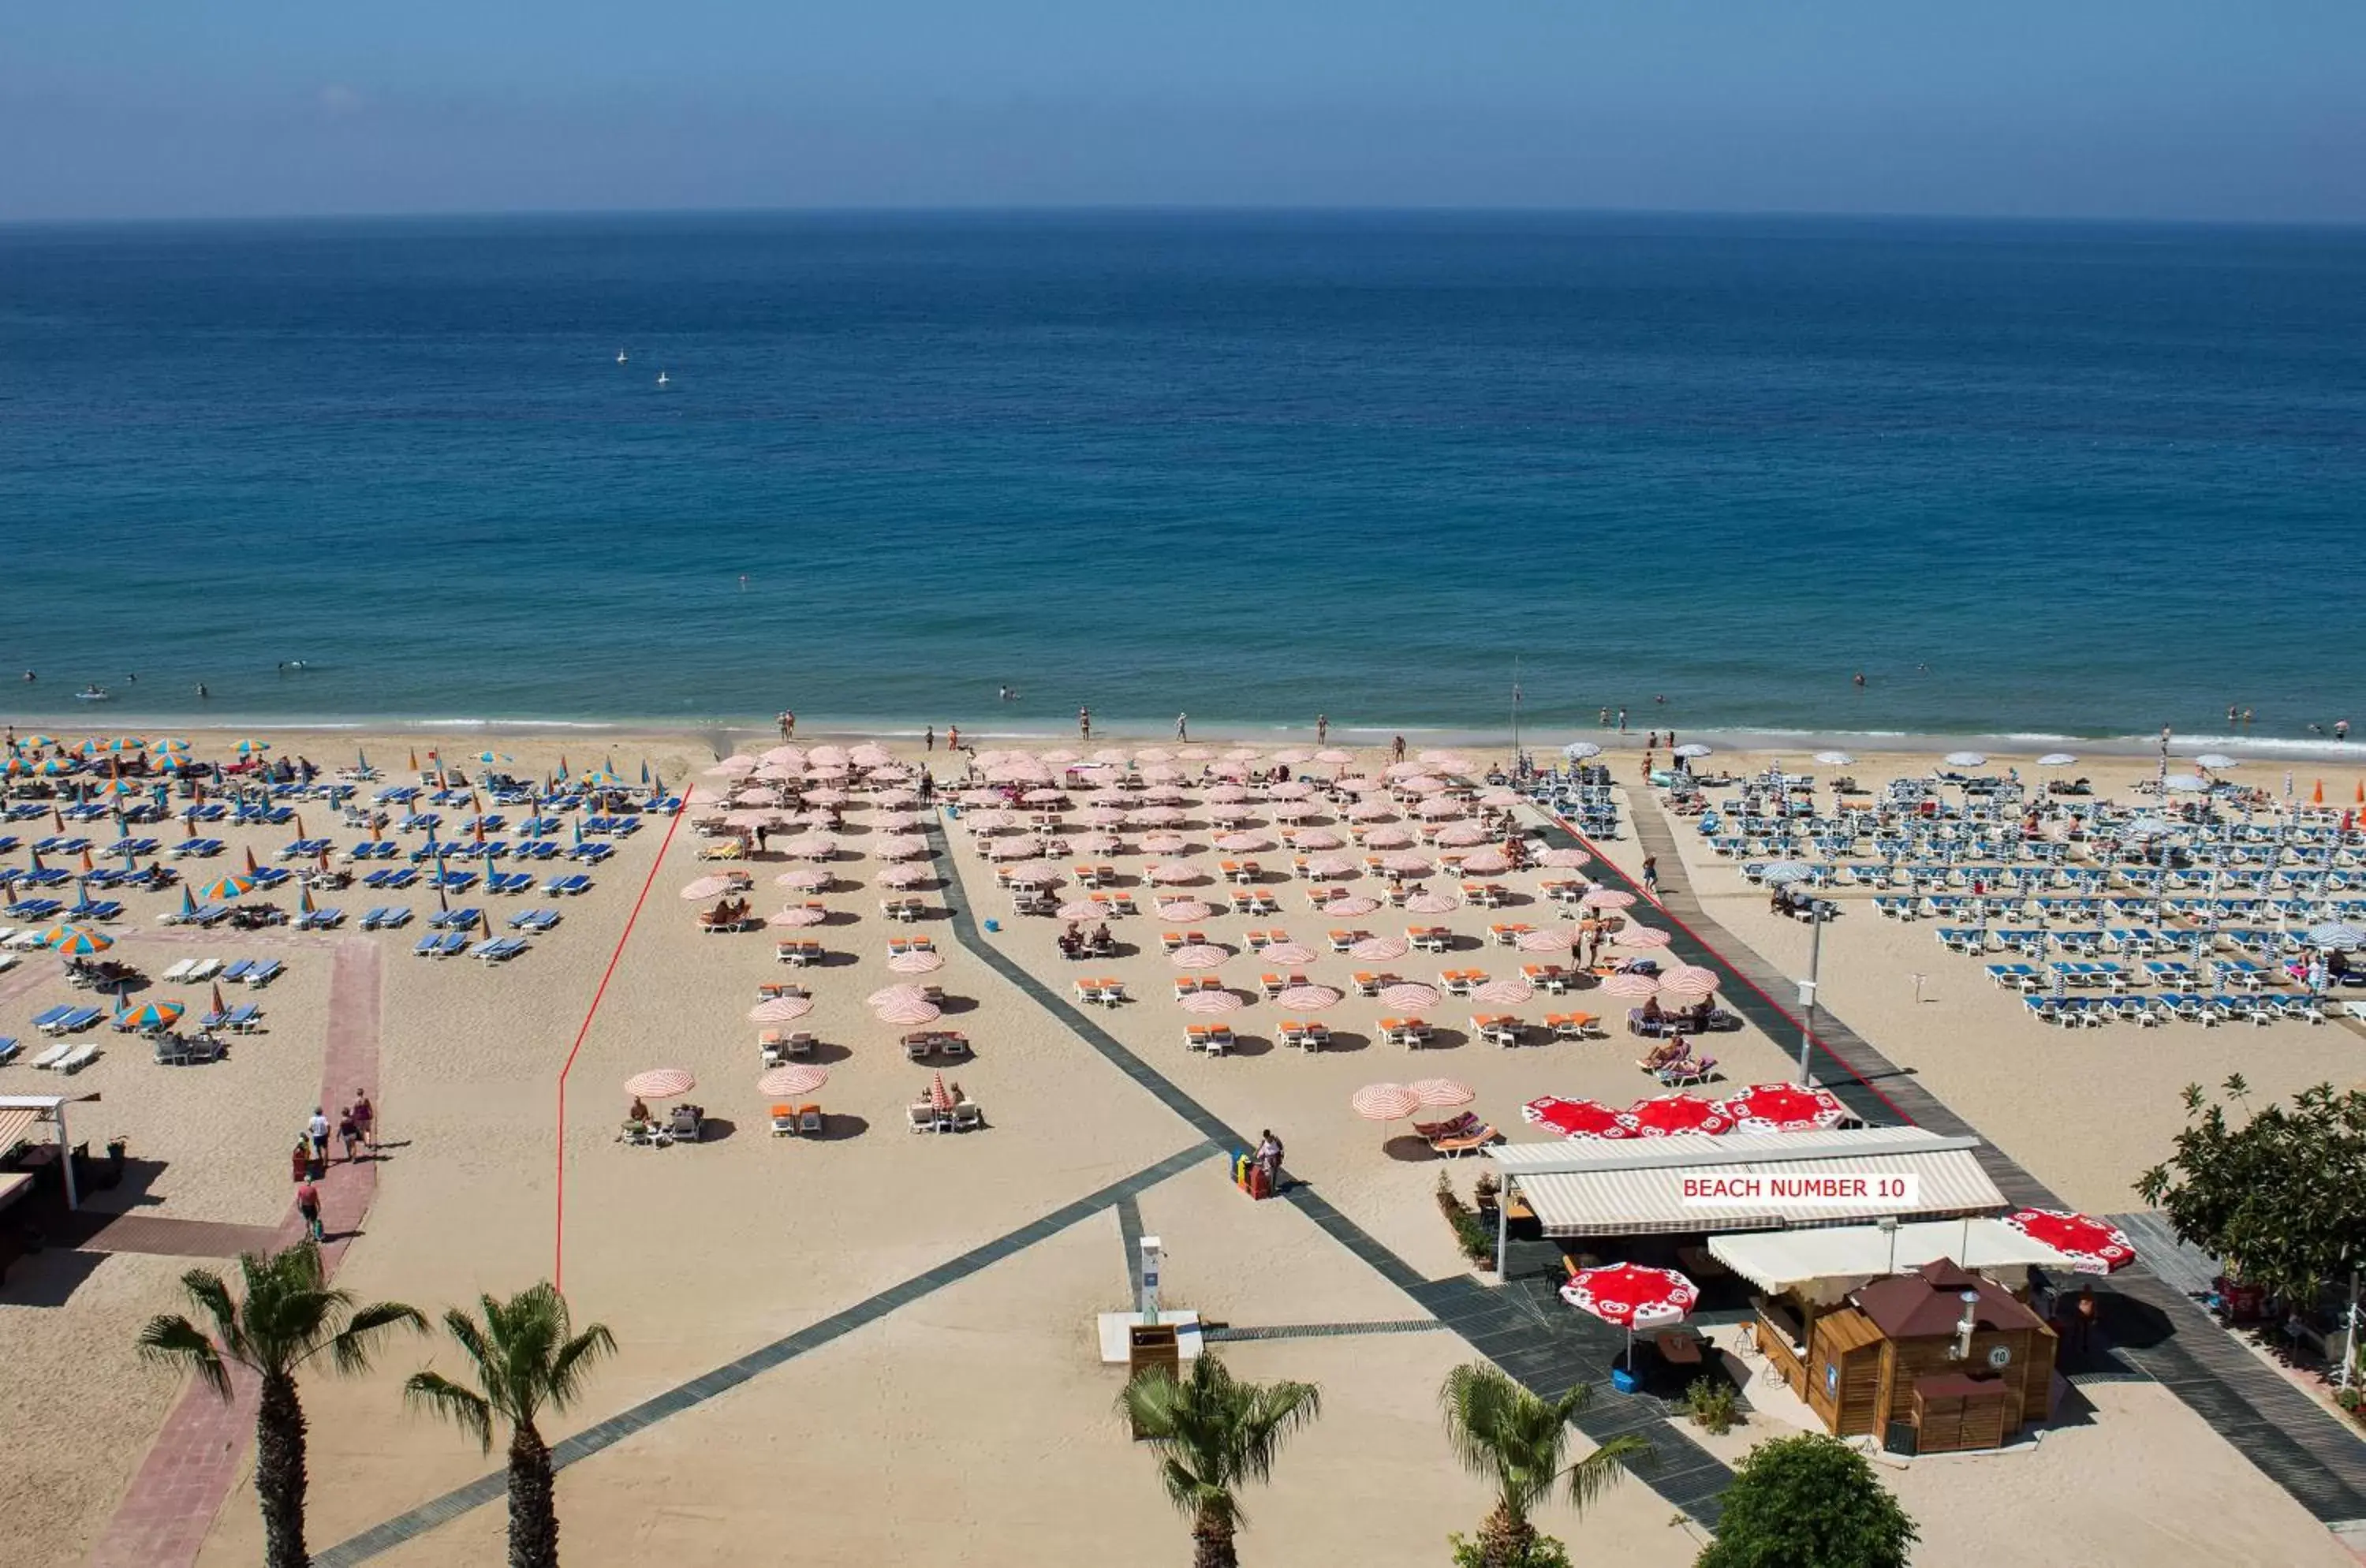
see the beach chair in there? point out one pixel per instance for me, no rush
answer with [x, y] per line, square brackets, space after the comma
[262, 972]
[1470, 1138]
[48, 1059]
[77, 1059]
[9, 1049]
[784, 1121]
[920, 1117]
[968, 1116]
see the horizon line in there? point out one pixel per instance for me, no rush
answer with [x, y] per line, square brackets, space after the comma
[1170, 210]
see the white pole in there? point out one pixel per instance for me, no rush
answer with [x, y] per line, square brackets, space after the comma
[1502, 1226]
[2349, 1347]
[66, 1154]
[1807, 997]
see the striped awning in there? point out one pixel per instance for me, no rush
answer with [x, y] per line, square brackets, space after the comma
[1635, 1187]
[16, 1124]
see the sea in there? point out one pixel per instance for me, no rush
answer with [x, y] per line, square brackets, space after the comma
[1422, 473]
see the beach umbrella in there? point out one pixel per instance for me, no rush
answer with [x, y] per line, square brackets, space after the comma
[907, 874]
[2093, 1245]
[150, 1016]
[1608, 898]
[1834, 759]
[1330, 866]
[1287, 952]
[1307, 999]
[226, 887]
[806, 878]
[909, 1011]
[1429, 902]
[602, 778]
[2336, 936]
[2057, 759]
[917, 961]
[705, 887]
[1442, 1092]
[1642, 936]
[1629, 1296]
[1199, 957]
[1667, 1114]
[797, 917]
[1348, 907]
[1964, 759]
[661, 1083]
[76, 942]
[2215, 761]
[1182, 911]
[1781, 1107]
[1408, 995]
[1379, 949]
[1384, 1101]
[796, 1078]
[2185, 783]
[1510, 991]
[1207, 1002]
[1552, 939]
[1564, 859]
[251, 749]
[1689, 977]
[1575, 1118]
[780, 1009]
[1692, 751]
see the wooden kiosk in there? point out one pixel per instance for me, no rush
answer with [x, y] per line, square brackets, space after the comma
[1942, 1349]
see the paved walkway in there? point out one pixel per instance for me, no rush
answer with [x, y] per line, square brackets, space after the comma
[2152, 1325]
[201, 1454]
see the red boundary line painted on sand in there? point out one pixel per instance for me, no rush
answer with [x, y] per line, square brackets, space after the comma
[558, 1221]
[1677, 921]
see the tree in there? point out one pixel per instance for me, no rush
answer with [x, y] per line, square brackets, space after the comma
[2277, 1196]
[1519, 1442]
[1809, 1502]
[284, 1318]
[1212, 1433]
[522, 1360]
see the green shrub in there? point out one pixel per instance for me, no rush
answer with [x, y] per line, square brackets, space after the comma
[1473, 1233]
[1544, 1551]
[1713, 1405]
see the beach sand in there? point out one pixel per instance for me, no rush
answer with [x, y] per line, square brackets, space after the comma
[974, 1422]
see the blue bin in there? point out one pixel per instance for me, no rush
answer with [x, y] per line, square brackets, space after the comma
[1625, 1381]
[994, 925]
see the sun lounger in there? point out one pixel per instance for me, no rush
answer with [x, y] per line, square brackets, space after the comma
[968, 1116]
[55, 1053]
[9, 1049]
[567, 886]
[1469, 1140]
[534, 921]
[180, 971]
[784, 1121]
[76, 1060]
[262, 972]
[499, 950]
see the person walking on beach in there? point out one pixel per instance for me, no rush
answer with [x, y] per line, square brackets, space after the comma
[307, 1203]
[318, 1131]
[349, 1133]
[1652, 742]
[1321, 729]
[366, 1117]
[1084, 724]
[929, 739]
[1652, 875]
[1622, 721]
[1396, 750]
[1182, 726]
[952, 737]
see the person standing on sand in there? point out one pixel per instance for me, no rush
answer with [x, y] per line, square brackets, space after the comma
[1084, 724]
[307, 1203]
[365, 1119]
[1321, 729]
[789, 724]
[1182, 726]
[1396, 749]
[1622, 721]
[929, 739]
[952, 737]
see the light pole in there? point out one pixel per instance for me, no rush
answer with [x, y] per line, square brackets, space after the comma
[1791, 873]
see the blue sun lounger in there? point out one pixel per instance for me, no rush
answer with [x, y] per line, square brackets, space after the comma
[558, 886]
[499, 950]
[541, 919]
[321, 920]
[440, 944]
[509, 882]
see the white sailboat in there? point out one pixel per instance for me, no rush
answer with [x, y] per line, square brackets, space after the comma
[620, 356]
[661, 377]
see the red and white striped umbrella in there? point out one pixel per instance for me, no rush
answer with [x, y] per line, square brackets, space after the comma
[1486, 862]
[1442, 1091]
[1388, 838]
[1176, 874]
[1315, 838]
[1347, 906]
[1549, 939]
[1668, 1115]
[796, 915]
[1379, 949]
[780, 1009]
[905, 875]
[1184, 911]
[1403, 864]
[1209, 957]
[1331, 756]
[1690, 977]
[1095, 843]
[1210, 1002]
[1437, 807]
[1462, 835]
[1565, 859]
[796, 1078]
[1781, 1107]
[920, 961]
[1330, 866]
[1430, 902]
[1408, 995]
[1510, 991]
[1287, 952]
[1384, 1101]
[1641, 936]
[909, 1011]
[1575, 1118]
[705, 887]
[1630, 988]
[1307, 999]
[661, 1083]
[1032, 873]
[2093, 1245]
[1608, 898]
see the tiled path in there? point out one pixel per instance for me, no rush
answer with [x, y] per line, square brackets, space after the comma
[2153, 1324]
[721, 1380]
[199, 1455]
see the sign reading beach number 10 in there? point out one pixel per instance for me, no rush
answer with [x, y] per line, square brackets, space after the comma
[1824, 1190]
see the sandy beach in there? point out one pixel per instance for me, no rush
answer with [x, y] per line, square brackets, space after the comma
[968, 1418]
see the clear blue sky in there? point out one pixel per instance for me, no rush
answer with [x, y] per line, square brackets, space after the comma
[2155, 109]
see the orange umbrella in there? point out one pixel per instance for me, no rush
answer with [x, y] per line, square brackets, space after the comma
[2316, 796]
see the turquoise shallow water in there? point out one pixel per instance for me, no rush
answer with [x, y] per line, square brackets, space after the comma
[2043, 480]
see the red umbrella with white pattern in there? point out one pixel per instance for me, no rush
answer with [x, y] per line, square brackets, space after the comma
[1631, 1296]
[1575, 1118]
[1781, 1108]
[1671, 1113]
[2093, 1245]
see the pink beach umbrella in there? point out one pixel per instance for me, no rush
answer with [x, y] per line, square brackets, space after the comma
[909, 1011]
[780, 1009]
[901, 847]
[796, 915]
[1641, 936]
[1033, 873]
[1379, 949]
[1330, 866]
[1575, 1118]
[1630, 988]
[1231, 816]
[1690, 977]
[1371, 811]
[705, 887]
[1164, 844]
[917, 963]
[1430, 902]
[1291, 756]
[1347, 906]
[1182, 911]
[1442, 1092]
[1510, 991]
[1207, 956]
[1331, 756]
[905, 875]
[1294, 811]
[1227, 794]
[1175, 873]
[1287, 953]
[811, 846]
[1403, 864]
[1080, 909]
[1388, 838]
[796, 1078]
[1550, 939]
[661, 1083]
[895, 993]
[1408, 995]
[1307, 999]
[1244, 843]
[1462, 835]
[1210, 1002]
[1564, 860]
[1384, 1101]
[1315, 838]
[1295, 789]
[1486, 862]
[1608, 898]
[1094, 843]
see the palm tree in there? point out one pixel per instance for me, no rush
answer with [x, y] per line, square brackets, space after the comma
[524, 1360]
[1211, 1434]
[284, 1318]
[1519, 1441]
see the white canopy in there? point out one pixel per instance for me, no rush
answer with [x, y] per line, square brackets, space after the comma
[1776, 1261]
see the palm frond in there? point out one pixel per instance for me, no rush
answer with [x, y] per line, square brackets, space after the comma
[174, 1340]
[350, 1351]
[1598, 1472]
[574, 1360]
[439, 1395]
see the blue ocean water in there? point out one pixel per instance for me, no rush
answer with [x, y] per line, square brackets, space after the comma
[2027, 478]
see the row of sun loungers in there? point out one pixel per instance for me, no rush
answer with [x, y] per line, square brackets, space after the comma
[2186, 1007]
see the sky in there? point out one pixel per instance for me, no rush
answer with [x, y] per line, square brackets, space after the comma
[2175, 110]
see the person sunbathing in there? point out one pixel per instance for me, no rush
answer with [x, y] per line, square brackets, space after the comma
[1672, 1049]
